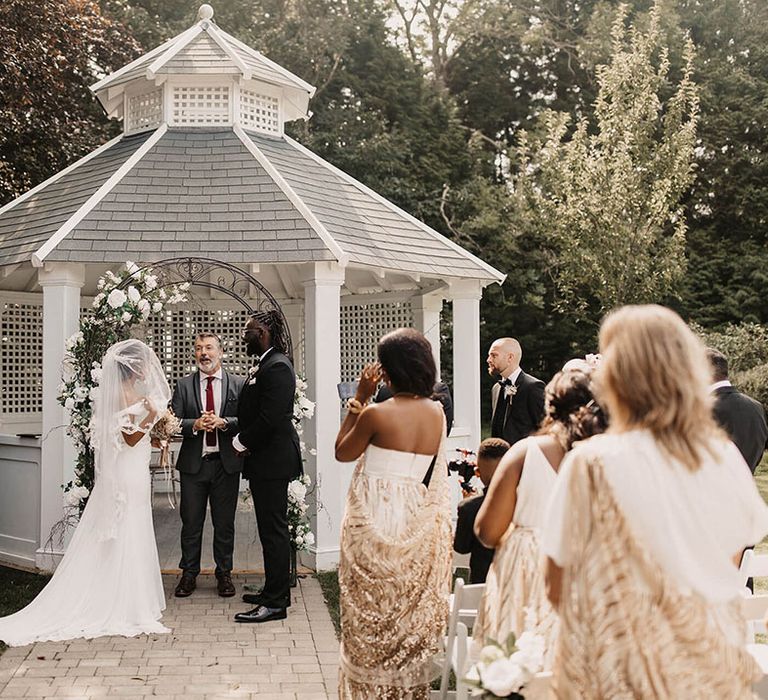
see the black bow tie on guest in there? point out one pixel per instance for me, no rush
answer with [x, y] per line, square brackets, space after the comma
[505, 382]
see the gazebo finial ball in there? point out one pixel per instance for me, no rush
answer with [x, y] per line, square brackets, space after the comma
[205, 12]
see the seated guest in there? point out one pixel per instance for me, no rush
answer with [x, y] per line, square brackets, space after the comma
[742, 418]
[465, 541]
[513, 513]
[646, 525]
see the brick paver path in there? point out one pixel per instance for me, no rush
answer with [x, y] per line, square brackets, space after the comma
[207, 655]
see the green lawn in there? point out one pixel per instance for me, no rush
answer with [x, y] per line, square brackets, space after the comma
[17, 588]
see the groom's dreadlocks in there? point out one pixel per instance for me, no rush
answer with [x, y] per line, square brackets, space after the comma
[273, 320]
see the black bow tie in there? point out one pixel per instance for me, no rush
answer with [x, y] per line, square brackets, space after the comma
[505, 382]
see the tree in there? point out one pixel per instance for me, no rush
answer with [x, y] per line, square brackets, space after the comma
[50, 52]
[608, 197]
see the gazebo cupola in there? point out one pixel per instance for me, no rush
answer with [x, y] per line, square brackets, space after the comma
[204, 77]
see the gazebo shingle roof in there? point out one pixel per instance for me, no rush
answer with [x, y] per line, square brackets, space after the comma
[242, 196]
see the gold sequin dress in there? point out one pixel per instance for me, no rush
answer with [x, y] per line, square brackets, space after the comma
[628, 629]
[515, 598]
[394, 575]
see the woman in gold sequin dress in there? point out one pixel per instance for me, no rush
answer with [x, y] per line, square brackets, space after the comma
[395, 565]
[513, 513]
[646, 526]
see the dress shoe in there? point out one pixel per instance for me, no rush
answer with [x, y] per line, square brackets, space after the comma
[185, 586]
[225, 586]
[262, 614]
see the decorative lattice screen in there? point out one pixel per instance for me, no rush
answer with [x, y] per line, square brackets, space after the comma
[259, 112]
[172, 336]
[201, 105]
[144, 111]
[361, 327]
[22, 358]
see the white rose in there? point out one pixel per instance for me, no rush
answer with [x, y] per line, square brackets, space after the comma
[150, 281]
[297, 491]
[492, 653]
[132, 267]
[299, 540]
[133, 294]
[144, 307]
[69, 404]
[313, 451]
[96, 374]
[503, 678]
[116, 298]
[309, 538]
[157, 307]
[127, 316]
[81, 393]
[112, 277]
[98, 299]
[100, 284]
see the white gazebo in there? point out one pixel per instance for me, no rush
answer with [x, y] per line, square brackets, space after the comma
[204, 171]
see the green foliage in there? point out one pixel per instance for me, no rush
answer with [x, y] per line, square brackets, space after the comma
[608, 196]
[50, 52]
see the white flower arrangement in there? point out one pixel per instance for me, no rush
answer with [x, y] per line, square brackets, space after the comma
[114, 312]
[302, 536]
[503, 670]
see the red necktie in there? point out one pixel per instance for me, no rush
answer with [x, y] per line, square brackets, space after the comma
[210, 437]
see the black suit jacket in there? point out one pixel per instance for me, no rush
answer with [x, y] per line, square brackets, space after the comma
[465, 541]
[187, 405]
[267, 430]
[523, 412]
[743, 419]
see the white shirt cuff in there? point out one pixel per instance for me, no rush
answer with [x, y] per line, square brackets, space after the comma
[238, 445]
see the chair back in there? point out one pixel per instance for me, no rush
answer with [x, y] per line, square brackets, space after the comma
[753, 565]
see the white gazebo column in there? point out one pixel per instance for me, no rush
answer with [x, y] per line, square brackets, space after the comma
[322, 361]
[61, 283]
[466, 361]
[426, 317]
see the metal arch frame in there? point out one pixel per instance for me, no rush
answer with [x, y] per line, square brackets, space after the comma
[231, 280]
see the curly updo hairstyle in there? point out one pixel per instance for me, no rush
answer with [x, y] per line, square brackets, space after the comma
[406, 357]
[570, 410]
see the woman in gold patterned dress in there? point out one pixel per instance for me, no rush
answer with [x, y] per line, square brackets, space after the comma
[394, 571]
[647, 525]
[512, 515]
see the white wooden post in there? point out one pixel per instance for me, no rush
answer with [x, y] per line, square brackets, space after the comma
[426, 317]
[466, 361]
[61, 283]
[322, 361]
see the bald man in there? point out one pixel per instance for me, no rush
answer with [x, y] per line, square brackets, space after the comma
[517, 398]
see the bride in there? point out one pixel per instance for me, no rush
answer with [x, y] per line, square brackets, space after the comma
[109, 582]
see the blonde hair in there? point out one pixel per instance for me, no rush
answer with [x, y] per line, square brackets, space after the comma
[655, 375]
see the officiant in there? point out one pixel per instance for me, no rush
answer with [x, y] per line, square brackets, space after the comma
[206, 403]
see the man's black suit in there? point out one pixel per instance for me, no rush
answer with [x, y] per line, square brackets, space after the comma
[743, 419]
[267, 431]
[465, 541]
[202, 480]
[517, 417]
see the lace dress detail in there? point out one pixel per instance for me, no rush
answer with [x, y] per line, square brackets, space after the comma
[394, 575]
[515, 597]
[628, 631]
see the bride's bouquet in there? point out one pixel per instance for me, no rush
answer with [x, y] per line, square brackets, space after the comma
[503, 670]
[167, 426]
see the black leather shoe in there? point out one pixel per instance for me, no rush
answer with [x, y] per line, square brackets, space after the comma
[252, 598]
[185, 586]
[225, 586]
[262, 614]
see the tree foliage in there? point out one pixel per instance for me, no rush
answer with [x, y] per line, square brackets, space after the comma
[50, 52]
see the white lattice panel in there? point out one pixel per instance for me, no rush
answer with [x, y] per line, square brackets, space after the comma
[144, 111]
[22, 358]
[361, 327]
[172, 336]
[201, 105]
[259, 112]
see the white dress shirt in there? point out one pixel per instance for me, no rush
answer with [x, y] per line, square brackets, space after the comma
[217, 387]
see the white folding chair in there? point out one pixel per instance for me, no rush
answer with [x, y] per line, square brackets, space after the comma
[755, 608]
[464, 603]
[754, 565]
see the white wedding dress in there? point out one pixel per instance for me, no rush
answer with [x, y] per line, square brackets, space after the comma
[109, 581]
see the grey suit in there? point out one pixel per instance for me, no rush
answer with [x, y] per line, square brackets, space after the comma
[215, 479]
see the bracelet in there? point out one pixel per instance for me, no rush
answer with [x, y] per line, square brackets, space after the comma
[355, 406]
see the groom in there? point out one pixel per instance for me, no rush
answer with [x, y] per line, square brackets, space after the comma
[206, 404]
[269, 444]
